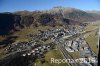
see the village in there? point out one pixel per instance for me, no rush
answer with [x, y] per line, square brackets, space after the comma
[58, 36]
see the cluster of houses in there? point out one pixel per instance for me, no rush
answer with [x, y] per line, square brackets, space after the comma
[57, 35]
[22, 46]
[80, 45]
[37, 40]
[74, 45]
[39, 51]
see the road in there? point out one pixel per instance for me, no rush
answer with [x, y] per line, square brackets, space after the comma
[65, 53]
[60, 46]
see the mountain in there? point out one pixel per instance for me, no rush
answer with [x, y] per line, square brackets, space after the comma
[93, 11]
[16, 21]
[95, 14]
[9, 21]
[72, 13]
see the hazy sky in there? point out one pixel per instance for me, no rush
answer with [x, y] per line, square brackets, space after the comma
[31, 5]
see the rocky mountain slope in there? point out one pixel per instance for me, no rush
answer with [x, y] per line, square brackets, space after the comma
[15, 21]
[72, 13]
[95, 14]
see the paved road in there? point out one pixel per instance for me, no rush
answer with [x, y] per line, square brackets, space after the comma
[66, 55]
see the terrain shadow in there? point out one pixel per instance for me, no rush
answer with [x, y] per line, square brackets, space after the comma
[8, 40]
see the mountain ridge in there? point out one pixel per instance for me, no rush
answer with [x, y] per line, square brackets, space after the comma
[57, 16]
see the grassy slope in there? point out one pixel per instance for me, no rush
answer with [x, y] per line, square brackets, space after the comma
[22, 34]
[92, 38]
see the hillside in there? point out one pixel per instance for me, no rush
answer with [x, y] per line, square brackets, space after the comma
[72, 13]
[14, 22]
[10, 22]
[95, 14]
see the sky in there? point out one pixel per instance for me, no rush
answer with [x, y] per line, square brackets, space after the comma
[32, 5]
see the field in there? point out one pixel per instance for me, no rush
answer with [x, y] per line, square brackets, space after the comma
[92, 40]
[92, 37]
[75, 55]
[55, 53]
